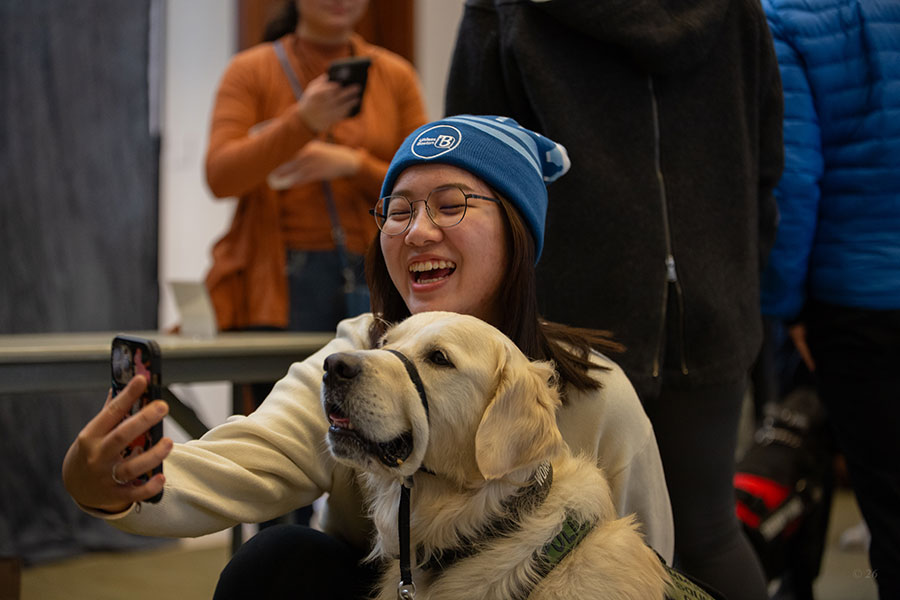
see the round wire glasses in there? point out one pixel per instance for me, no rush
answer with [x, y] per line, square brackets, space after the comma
[445, 206]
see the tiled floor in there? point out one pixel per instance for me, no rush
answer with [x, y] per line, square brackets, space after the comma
[188, 571]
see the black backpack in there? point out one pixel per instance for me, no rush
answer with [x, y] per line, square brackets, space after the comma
[782, 484]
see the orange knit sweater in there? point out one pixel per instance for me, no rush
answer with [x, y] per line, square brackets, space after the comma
[247, 282]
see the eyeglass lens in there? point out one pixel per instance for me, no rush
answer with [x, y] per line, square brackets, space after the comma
[446, 206]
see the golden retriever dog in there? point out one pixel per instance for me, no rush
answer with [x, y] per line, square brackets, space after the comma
[500, 508]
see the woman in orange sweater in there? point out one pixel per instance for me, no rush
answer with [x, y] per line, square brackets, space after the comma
[279, 266]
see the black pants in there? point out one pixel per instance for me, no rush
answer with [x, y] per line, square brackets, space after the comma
[696, 430]
[857, 354]
[296, 562]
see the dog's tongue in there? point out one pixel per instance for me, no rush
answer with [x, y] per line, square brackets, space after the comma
[342, 422]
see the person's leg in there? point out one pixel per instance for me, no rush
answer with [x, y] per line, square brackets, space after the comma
[293, 561]
[857, 353]
[696, 430]
[765, 373]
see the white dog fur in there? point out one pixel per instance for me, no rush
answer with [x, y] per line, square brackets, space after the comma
[492, 421]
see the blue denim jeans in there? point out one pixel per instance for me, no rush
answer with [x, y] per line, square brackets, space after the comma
[316, 290]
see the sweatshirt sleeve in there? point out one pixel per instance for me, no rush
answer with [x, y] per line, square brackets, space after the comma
[611, 425]
[639, 488]
[798, 192]
[251, 468]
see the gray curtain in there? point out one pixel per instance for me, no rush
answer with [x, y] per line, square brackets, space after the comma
[78, 224]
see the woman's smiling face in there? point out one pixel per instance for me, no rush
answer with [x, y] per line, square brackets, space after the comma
[458, 269]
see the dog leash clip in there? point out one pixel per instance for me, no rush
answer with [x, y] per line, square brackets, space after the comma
[406, 591]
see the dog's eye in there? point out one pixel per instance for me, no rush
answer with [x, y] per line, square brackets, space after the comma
[439, 358]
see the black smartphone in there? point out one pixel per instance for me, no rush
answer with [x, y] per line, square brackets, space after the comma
[348, 71]
[131, 356]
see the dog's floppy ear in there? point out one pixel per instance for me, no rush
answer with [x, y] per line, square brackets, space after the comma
[518, 427]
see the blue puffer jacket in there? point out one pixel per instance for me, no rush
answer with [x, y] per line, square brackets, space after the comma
[838, 237]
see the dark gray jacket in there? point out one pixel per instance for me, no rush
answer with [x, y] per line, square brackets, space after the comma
[671, 112]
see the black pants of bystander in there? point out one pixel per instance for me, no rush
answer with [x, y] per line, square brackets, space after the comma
[857, 353]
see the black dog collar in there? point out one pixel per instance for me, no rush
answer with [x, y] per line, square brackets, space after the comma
[406, 590]
[414, 377]
[394, 452]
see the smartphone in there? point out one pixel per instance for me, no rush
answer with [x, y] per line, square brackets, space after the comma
[131, 356]
[348, 71]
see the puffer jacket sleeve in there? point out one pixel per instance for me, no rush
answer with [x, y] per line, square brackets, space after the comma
[798, 193]
[771, 141]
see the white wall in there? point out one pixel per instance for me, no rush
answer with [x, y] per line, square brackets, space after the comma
[200, 38]
[436, 24]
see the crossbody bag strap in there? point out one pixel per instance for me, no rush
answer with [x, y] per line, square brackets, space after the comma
[281, 53]
[337, 232]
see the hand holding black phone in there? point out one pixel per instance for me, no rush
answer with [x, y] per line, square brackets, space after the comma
[132, 356]
[349, 71]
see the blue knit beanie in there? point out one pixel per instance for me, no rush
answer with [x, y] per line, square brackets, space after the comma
[517, 162]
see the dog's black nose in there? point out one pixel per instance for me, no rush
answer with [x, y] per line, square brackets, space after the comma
[342, 365]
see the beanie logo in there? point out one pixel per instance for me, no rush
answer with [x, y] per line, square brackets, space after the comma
[435, 141]
[444, 141]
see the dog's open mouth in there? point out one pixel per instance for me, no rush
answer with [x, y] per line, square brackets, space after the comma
[347, 439]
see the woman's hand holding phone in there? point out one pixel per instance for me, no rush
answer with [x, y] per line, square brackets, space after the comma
[95, 457]
[325, 102]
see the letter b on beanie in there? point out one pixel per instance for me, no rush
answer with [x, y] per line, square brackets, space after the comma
[517, 162]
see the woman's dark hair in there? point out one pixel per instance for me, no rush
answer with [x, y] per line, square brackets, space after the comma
[568, 347]
[283, 21]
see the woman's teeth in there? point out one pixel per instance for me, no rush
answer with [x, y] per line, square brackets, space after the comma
[430, 265]
[435, 269]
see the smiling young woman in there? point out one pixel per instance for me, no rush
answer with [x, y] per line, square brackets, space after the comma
[494, 249]
[476, 247]
[253, 468]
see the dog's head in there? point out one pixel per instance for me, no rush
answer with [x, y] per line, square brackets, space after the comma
[445, 391]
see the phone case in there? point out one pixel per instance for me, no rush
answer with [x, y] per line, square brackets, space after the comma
[132, 355]
[351, 70]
